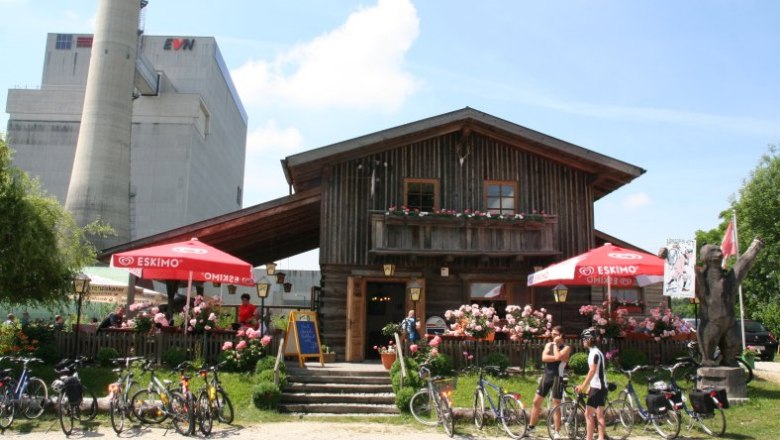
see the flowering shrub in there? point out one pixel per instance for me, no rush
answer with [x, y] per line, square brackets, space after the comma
[385, 349]
[534, 216]
[425, 350]
[525, 322]
[609, 326]
[202, 317]
[15, 342]
[472, 320]
[662, 324]
[248, 348]
[144, 320]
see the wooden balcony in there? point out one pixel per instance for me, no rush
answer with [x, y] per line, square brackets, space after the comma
[434, 236]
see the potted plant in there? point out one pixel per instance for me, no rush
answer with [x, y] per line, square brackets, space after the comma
[328, 356]
[387, 353]
[750, 354]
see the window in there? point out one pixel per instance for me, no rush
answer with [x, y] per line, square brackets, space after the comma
[489, 294]
[500, 197]
[422, 194]
[64, 41]
[626, 297]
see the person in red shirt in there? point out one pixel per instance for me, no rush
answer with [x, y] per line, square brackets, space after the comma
[246, 311]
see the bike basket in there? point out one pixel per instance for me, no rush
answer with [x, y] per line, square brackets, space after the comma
[702, 401]
[57, 385]
[74, 391]
[656, 403]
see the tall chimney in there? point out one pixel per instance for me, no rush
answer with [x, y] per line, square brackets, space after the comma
[100, 180]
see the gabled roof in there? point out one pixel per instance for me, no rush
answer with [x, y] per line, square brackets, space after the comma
[304, 170]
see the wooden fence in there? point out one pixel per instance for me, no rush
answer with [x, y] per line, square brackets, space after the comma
[207, 345]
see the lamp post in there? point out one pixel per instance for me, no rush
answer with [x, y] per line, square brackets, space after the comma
[263, 286]
[559, 293]
[81, 287]
[415, 290]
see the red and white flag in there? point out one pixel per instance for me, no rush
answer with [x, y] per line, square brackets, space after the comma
[729, 244]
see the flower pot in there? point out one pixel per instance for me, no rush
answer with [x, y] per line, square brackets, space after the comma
[388, 359]
[329, 358]
[750, 360]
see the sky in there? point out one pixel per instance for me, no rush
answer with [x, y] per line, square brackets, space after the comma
[685, 90]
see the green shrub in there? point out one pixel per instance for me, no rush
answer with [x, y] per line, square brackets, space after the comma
[48, 352]
[441, 365]
[267, 363]
[497, 360]
[403, 397]
[105, 355]
[266, 395]
[174, 356]
[578, 363]
[268, 376]
[631, 357]
[412, 374]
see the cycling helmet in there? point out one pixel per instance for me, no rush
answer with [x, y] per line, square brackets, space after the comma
[589, 333]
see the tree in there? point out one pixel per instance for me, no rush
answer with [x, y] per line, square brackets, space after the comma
[41, 247]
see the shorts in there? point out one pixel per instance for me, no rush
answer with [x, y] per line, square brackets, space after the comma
[548, 382]
[596, 397]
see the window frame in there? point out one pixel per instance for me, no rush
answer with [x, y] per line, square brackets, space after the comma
[436, 190]
[501, 183]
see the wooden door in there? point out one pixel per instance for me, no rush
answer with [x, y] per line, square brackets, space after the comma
[356, 320]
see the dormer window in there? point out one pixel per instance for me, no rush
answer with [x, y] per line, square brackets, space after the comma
[422, 194]
[501, 197]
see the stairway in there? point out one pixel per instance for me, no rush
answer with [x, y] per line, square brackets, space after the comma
[338, 388]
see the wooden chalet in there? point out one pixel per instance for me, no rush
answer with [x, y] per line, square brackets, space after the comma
[459, 162]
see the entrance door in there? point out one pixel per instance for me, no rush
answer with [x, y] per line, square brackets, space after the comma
[384, 304]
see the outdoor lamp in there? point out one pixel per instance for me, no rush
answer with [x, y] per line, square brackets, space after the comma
[559, 292]
[389, 269]
[415, 290]
[263, 286]
[81, 283]
[232, 289]
[270, 268]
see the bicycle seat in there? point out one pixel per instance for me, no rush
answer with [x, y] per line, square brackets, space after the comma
[167, 381]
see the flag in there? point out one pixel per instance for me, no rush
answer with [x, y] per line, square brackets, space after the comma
[729, 244]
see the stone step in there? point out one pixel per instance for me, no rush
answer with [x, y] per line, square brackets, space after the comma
[336, 373]
[343, 379]
[297, 387]
[316, 398]
[338, 408]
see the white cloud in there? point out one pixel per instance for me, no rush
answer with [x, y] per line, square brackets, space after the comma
[636, 201]
[272, 138]
[358, 65]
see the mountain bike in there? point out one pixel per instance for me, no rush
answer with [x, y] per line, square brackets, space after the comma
[26, 394]
[508, 409]
[219, 404]
[157, 403]
[665, 420]
[72, 395]
[121, 393]
[431, 405]
[712, 418]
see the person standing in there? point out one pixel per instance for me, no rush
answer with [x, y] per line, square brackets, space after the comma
[596, 384]
[555, 355]
[411, 327]
[246, 312]
[10, 320]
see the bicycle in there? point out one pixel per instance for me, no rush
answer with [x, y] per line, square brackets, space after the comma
[712, 421]
[431, 405]
[549, 406]
[219, 404]
[694, 356]
[72, 395]
[27, 394]
[618, 416]
[510, 411]
[665, 422]
[157, 403]
[121, 393]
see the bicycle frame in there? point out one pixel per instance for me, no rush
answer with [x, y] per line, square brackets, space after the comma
[481, 383]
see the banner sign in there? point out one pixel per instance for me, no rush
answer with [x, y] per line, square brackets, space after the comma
[680, 268]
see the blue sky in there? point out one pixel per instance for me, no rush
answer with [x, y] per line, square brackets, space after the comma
[686, 90]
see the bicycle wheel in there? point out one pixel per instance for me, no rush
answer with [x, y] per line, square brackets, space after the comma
[117, 410]
[67, 414]
[127, 396]
[34, 398]
[446, 417]
[551, 412]
[7, 408]
[619, 419]
[667, 425]
[148, 407]
[572, 420]
[88, 406]
[513, 417]
[224, 407]
[479, 408]
[713, 424]
[422, 410]
[746, 370]
[205, 420]
[182, 414]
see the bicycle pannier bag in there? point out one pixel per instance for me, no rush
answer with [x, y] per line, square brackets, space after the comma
[73, 390]
[702, 402]
[720, 394]
[656, 403]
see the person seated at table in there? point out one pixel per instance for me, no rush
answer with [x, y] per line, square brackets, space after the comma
[114, 319]
[59, 323]
[247, 312]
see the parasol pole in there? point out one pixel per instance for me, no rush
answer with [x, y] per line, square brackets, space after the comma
[187, 305]
[609, 297]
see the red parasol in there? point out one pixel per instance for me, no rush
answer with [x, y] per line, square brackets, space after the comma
[608, 265]
[189, 260]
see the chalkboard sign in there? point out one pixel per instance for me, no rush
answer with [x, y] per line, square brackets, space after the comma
[307, 337]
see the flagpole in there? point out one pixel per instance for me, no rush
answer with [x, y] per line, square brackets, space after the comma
[739, 289]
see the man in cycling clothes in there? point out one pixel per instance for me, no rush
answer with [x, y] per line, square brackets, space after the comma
[596, 384]
[554, 356]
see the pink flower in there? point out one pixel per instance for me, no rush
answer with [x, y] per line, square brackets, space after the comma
[434, 352]
[413, 348]
[435, 341]
[241, 332]
[241, 345]
[265, 340]
[227, 345]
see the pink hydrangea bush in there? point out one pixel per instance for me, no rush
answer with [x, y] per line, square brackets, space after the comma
[525, 322]
[472, 320]
[616, 324]
[243, 353]
[663, 324]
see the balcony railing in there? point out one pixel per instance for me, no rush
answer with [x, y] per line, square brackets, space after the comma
[460, 236]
